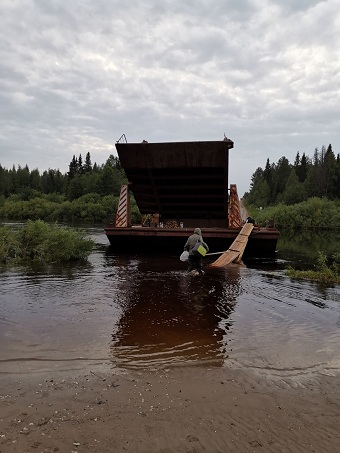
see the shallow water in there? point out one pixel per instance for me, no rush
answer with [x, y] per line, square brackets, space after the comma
[140, 312]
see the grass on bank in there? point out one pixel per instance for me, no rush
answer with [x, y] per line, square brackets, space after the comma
[323, 272]
[37, 240]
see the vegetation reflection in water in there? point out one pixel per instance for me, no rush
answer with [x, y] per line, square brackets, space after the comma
[242, 316]
[308, 243]
[320, 253]
[127, 311]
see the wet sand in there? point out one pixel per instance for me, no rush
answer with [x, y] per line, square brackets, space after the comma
[178, 410]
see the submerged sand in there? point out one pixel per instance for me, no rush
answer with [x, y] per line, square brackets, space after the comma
[178, 410]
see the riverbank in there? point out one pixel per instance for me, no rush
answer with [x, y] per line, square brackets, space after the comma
[312, 214]
[179, 410]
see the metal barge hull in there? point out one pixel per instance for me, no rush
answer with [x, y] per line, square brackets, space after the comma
[262, 241]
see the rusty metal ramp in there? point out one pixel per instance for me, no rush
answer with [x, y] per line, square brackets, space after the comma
[184, 180]
[235, 251]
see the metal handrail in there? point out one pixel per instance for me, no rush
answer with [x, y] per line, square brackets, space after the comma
[122, 139]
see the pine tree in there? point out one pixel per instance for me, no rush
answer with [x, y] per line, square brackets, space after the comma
[294, 191]
[88, 164]
[73, 167]
[80, 168]
[283, 170]
[330, 170]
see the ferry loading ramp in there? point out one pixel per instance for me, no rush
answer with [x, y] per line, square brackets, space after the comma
[181, 185]
[186, 181]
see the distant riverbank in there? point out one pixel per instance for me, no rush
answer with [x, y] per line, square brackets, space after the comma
[315, 213]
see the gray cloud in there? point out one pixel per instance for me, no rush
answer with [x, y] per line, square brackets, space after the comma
[76, 75]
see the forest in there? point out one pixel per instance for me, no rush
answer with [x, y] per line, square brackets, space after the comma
[86, 193]
[305, 194]
[287, 183]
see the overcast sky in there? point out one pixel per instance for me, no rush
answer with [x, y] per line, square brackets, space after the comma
[77, 74]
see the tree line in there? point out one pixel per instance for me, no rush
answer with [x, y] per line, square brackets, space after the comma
[82, 178]
[87, 192]
[286, 183]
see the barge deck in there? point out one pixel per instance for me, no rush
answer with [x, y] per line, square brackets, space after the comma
[262, 241]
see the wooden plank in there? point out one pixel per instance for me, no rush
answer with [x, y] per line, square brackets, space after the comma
[242, 238]
[236, 250]
[247, 229]
[226, 258]
[237, 246]
[239, 258]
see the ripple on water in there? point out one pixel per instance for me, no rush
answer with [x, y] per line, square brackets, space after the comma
[146, 312]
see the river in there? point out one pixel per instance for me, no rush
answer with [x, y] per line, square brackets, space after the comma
[144, 312]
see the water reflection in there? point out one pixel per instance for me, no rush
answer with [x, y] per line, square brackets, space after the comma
[307, 243]
[138, 311]
[172, 318]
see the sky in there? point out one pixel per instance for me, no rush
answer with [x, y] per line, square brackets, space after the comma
[75, 75]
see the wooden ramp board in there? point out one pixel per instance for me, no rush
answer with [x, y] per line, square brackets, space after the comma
[235, 251]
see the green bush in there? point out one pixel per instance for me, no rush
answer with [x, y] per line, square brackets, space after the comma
[39, 241]
[91, 207]
[335, 266]
[9, 245]
[66, 244]
[326, 270]
[313, 213]
[88, 208]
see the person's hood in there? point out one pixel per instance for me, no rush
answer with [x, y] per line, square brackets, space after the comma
[198, 231]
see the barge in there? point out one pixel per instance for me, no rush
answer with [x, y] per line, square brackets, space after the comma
[179, 186]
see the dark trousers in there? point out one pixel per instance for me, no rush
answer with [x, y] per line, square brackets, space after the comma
[195, 263]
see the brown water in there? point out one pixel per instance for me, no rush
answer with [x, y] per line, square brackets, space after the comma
[142, 312]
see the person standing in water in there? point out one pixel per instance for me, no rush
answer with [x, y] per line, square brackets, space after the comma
[195, 259]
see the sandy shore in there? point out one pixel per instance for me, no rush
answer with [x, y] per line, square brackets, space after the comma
[179, 410]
